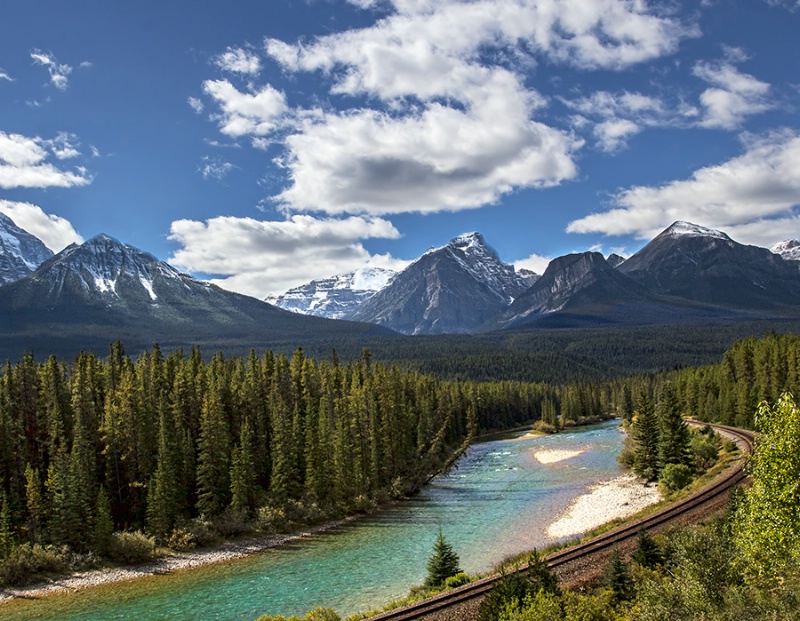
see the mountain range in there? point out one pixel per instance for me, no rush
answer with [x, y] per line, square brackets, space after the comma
[90, 294]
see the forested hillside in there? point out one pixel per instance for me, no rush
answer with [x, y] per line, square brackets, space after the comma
[751, 371]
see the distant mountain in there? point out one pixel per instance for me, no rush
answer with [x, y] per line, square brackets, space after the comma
[336, 297]
[20, 252]
[452, 289]
[789, 250]
[614, 260]
[89, 295]
[707, 266]
[583, 283]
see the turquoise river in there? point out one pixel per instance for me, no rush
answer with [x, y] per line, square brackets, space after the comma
[498, 501]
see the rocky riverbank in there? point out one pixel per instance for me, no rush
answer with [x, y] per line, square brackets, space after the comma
[618, 498]
[173, 561]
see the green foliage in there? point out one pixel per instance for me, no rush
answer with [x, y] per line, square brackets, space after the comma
[29, 560]
[675, 477]
[459, 579]
[513, 592]
[541, 606]
[618, 577]
[104, 524]
[443, 563]
[645, 434]
[673, 432]
[647, 552]
[317, 614]
[704, 450]
[131, 548]
[767, 520]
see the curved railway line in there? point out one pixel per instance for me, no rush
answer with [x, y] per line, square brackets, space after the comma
[712, 492]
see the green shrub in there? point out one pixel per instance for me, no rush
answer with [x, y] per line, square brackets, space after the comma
[704, 451]
[131, 548]
[26, 562]
[458, 580]
[318, 614]
[202, 532]
[674, 477]
[233, 522]
[272, 519]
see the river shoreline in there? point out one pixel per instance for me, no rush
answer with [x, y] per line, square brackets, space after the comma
[618, 498]
[171, 562]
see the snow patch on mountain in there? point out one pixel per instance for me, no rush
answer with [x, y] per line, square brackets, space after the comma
[335, 297]
[788, 249]
[687, 229]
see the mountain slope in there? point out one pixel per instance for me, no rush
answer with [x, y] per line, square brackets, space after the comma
[452, 289]
[336, 297]
[20, 252]
[90, 295]
[583, 283]
[707, 266]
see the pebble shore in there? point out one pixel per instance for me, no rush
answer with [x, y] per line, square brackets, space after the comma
[618, 498]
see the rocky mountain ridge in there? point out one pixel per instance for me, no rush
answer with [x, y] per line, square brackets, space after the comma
[20, 252]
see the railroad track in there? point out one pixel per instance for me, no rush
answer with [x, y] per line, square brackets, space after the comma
[714, 490]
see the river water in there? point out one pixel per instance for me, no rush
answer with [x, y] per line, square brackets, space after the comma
[498, 501]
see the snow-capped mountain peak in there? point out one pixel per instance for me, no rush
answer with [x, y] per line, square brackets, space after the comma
[788, 249]
[106, 267]
[335, 297]
[682, 228]
[20, 252]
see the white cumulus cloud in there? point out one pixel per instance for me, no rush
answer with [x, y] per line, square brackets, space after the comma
[243, 114]
[428, 107]
[23, 162]
[56, 232]
[753, 197]
[238, 60]
[732, 95]
[536, 263]
[261, 258]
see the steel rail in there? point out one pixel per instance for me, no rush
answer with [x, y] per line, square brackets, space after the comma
[721, 485]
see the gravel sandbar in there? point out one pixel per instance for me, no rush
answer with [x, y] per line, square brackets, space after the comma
[617, 498]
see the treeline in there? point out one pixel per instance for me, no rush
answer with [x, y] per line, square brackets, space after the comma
[752, 371]
[160, 442]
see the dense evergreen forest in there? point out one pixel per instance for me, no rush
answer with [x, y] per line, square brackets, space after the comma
[743, 564]
[175, 446]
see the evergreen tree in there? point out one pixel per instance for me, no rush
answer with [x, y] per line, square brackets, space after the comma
[214, 452]
[104, 523]
[164, 493]
[645, 435]
[34, 502]
[6, 531]
[673, 436]
[443, 563]
[618, 577]
[647, 553]
[243, 472]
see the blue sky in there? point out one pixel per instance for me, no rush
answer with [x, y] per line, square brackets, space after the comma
[265, 143]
